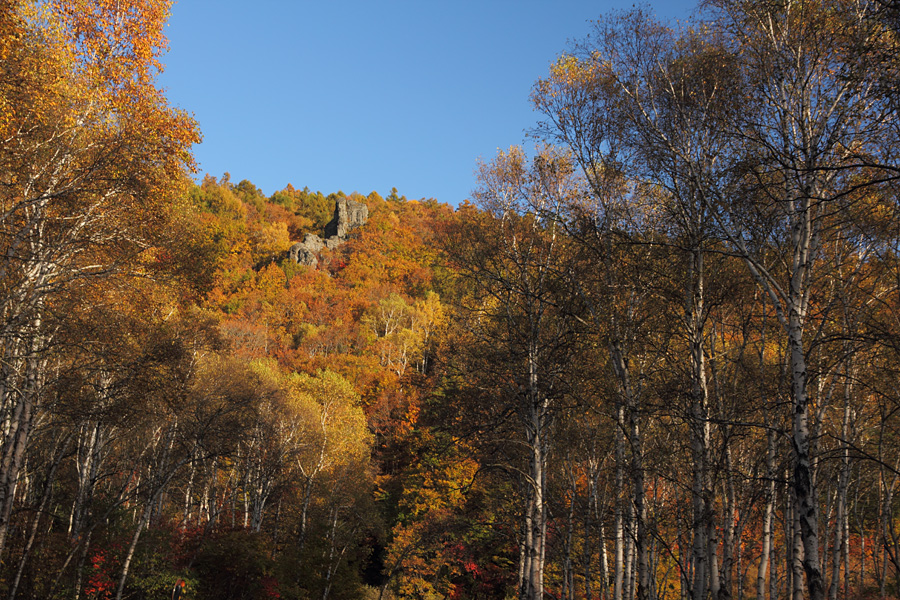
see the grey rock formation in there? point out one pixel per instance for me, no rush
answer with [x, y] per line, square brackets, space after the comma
[300, 254]
[348, 215]
[313, 242]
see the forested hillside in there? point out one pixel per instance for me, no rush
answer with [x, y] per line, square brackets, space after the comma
[656, 358]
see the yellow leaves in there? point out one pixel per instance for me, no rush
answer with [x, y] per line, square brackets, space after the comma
[399, 332]
[434, 495]
[98, 62]
[271, 239]
[439, 488]
[511, 189]
[429, 315]
[115, 40]
[571, 71]
[83, 124]
[571, 78]
[336, 433]
[271, 281]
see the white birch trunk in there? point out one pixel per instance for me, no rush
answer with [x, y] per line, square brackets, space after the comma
[768, 532]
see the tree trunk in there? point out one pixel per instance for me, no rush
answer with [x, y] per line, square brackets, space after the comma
[129, 555]
[804, 492]
[768, 531]
[726, 576]
[533, 583]
[641, 559]
[796, 565]
[840, 542]
[42, 507]
[619, 556]
[13, 453]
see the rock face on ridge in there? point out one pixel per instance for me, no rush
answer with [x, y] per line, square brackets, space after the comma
[348, 215]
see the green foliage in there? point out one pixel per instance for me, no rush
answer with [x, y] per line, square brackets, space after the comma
[247, 192]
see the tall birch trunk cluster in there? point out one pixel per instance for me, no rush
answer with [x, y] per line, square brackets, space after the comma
[747, 161]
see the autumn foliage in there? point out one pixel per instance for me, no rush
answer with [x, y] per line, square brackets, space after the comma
[655, 358]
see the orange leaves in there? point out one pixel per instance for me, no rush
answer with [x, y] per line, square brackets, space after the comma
[78, 100]
[106, 57]
[92, 155]
[374, 319]
[117, 41]
[570, 71]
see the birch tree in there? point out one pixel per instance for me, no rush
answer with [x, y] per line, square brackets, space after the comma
[764, 124]
[90, 149]
[512, 255]
[812, 114]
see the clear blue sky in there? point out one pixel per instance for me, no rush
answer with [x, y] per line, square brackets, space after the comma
[367, 95]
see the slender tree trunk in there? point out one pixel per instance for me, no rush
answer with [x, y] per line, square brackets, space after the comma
[790, 539]
[701, 507]
[619, 551]
[840, 542]
[568, 588]
[768, 531]
[129, 554]
[714, 580]
[741, 572]
[642, 568]
[533, 583]
[79, 572]
[587, 549]
[189, 492]
[536, 422]
[847, 571]
[604, 566]
[166, 469]
[334, 561]
[304, 516]
[42, 507]
[275, 527]
[628, 575]
[862, 560]
[523, 542]
[640, 512]
[773, 566]
[796, 551]
[331, 538]
[90, 453]
[702, 492]
[805, 496]
[889, 545]
[726, 577]
[13, 450]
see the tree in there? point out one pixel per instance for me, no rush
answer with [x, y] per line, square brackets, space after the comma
[764, 125]
[90, 155]
[815, 114]
[511, 257]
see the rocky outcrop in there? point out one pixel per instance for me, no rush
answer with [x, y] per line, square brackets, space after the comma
[307, 251]
[348, 215]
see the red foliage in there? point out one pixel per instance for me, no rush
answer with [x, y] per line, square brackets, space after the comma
[101, 583]
[270, 587]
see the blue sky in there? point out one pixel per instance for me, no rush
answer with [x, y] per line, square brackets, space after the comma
[365, 95]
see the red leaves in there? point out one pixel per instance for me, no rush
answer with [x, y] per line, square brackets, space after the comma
[101, 583]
